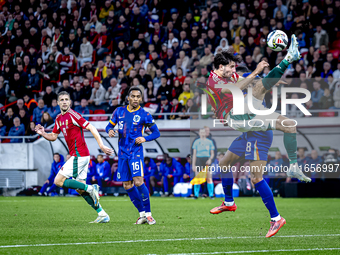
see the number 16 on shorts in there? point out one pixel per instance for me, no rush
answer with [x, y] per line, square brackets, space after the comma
[136, 167]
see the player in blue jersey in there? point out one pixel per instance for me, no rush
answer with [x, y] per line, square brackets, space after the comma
[253, 146]
[131, 121]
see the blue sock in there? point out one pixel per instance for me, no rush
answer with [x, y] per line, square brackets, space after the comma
[227, 184]
[197, 188]
[210, 187]
[135, 198]
[267, 197]
[53, 188]
[44, 188]
[144, 193]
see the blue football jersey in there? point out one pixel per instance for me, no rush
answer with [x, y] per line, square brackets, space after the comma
[130, 126]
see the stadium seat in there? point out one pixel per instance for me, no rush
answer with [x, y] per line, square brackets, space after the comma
[335, 52]
[326, 114]
[99, 118]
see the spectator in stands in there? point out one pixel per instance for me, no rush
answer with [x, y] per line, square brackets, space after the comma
[54, 110]
[150, 169]
[85, 53]
[49, 186]
[30, 104]
[317, 93]
[320, 37]
[49, 96]
[38, 112]
[66, 87]
[82, 108]
[207, 58]
[171, 170]
[176, 108]
[87, 89]
[24, 119]
[314, 161]
[33, 81]
[100, 71]
[46, 120]
[9, 118]
[113, 90]
[77, 94]
[301, 159]
[51, 73]
[3, 128]
[98, 94]
[150, 93]
[326, 101]
[17, 130]
[186, 94]
[107, 81]
[336, 74]
[164, 89]
[163, 107]
[103, 172]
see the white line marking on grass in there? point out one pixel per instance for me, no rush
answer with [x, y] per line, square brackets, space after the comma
[67, 200]
[161, 240]
[255, 251]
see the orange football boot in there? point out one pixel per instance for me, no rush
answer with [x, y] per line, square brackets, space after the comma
[275, 227]
[223, 208]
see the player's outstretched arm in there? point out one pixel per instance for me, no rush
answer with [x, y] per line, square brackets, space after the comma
[99, 140]
[243, 84]
[153, 136]
[48, 136]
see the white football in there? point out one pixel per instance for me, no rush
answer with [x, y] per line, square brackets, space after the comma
[277, 40]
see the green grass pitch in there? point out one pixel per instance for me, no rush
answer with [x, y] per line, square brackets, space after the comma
[184, 226]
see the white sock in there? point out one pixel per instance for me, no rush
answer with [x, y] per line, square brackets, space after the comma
[147, 214]
[89, 188]
[229, 203]
[102, 213]
[142, 214]
[277, 218]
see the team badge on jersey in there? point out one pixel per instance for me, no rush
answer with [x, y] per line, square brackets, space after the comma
[59, 123]
[136, 118]
[66, 122]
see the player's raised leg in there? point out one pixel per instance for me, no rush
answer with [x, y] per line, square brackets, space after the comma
[256, 168]
[275, 75]
[226, 162]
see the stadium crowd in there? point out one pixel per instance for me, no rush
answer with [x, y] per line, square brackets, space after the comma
[97, 50]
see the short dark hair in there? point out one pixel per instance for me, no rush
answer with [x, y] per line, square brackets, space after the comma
[63, 93]
[225, 58]
[133, 89]
[56, 153]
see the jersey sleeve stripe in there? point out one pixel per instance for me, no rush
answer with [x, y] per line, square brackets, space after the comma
[76, 115]
[114, 124]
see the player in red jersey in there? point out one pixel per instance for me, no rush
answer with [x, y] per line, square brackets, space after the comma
[71, 124]
[225, 72]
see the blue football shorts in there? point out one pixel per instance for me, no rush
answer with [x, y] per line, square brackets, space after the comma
[253, 145]
[129, 168]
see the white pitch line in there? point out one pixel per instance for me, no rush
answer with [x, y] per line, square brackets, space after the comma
[255, 251]
[161, 240]
[73, 200]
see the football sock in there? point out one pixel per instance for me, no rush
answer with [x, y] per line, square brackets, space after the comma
[89, 200]
[290, 143]
[197, 188]
[144, 193]
[73, 184]
[267, 198]
[210, 187]
[227, 184]
[136, 198]
[53, 187]
[275, 75]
